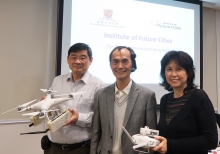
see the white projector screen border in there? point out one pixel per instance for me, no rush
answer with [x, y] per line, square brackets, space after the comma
[192, 43]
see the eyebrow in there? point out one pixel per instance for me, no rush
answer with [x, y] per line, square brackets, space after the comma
[79, 56]
[121, 59]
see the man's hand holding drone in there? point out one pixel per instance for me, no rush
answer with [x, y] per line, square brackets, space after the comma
[73, 119]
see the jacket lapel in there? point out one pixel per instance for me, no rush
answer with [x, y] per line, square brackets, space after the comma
[110, 103]
[133, 94]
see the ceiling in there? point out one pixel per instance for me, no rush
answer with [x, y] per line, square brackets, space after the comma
[211, 3]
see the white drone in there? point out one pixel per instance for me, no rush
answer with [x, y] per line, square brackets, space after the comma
[145, 139]
[41, 110]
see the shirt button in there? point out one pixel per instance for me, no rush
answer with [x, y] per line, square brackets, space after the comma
[108, 151]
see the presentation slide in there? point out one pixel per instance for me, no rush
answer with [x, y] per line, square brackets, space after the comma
[150, 29]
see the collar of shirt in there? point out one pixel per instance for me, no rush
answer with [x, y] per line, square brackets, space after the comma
[126, 90]
[84, 78]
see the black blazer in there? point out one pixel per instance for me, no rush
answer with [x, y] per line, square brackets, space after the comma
[193, 130]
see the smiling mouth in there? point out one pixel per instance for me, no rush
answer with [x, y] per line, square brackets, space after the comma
[120, 70]
[175, 80]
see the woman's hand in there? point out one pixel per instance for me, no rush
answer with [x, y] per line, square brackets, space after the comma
[162, 147]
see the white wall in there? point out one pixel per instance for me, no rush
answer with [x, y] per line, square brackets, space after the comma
[28, 31]
[211, 55]
[13, 143]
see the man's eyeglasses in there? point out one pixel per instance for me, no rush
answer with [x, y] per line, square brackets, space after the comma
[81, 59]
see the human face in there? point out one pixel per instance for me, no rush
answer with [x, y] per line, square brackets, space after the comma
[79, 62]
[121, 64]
[176, 76]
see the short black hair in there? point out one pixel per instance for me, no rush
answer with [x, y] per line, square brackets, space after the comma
[79, 47]
[184, 60]
[132, 53]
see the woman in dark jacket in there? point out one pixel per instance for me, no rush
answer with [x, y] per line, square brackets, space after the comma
[187, 122]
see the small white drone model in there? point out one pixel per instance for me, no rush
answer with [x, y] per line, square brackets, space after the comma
[145, 139]
[41, 110]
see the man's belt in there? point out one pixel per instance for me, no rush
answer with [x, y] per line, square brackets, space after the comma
[72, 146]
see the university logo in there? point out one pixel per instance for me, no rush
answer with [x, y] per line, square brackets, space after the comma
[107, 19]
[108, 14]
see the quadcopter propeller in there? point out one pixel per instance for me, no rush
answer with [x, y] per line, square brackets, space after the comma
[23, 105]
[9, 110]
